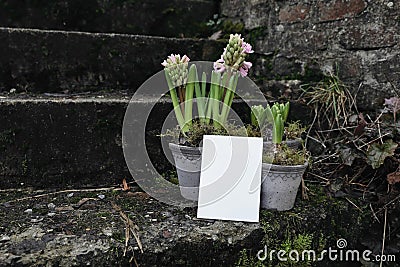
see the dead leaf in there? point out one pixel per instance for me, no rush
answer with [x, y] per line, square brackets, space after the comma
[359, 130]
[393, 177]
[125, 186]
[215, 35]
[393, 104]
[167, 233]
[64, 208]
[348, 156]
[82, 201]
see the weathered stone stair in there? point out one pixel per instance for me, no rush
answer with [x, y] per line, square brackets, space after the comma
[65, 82]
[67, 72]
[175, 18]
[63, 123]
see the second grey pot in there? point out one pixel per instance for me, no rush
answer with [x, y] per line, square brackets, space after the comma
[280, 185]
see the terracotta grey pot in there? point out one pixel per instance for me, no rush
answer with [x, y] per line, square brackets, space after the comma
[280, 185]
[188, 166]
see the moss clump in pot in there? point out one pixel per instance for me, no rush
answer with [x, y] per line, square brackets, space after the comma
[284, 155]
[294, 130]
[197, 130]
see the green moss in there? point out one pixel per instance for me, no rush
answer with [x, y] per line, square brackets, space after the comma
[197, 130]
[226, 26]
[229, 27]
[312, 75]
[313, 224]
[25, 165]
[294, 130]
[102, 124]
[103, 214]
[255, 34]
[114, 53]
[287, 156]
[7, 138]
[246, 259]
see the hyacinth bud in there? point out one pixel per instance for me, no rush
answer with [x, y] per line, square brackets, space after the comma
[234, 56]
[233, 51]
[177, 68]
[229, 56]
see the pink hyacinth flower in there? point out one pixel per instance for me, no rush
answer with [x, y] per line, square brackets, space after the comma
[172, 57]
[244, 68]
[219, 65]
[185, 59]
[247, 48]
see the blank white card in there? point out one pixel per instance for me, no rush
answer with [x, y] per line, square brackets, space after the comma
[230, 178]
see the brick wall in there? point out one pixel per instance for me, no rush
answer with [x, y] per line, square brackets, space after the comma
[296, 41]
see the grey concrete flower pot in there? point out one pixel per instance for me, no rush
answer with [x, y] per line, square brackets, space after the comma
[279, 185]
[188, 166]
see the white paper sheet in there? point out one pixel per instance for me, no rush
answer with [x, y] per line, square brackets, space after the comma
[230, 178]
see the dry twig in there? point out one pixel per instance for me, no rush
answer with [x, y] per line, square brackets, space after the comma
[130, 227]
[373, 213]
[304, 190]
[351, 202]
[383, 238]
[61, 192]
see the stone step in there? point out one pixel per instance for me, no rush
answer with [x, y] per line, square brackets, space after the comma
[93, 233]
[79, 228]
[52, 140]
[174, 18]
[54, 61]
[48, 141]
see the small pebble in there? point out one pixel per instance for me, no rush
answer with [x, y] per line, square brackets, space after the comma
[51, 206]
[13, 90]
[29, 211]
[280, 28]
[167, 233]
[70, 195]
[166, 214]
[36, 220]
[107, 232]
[101, 196]
[153, 220]
[5, 238]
